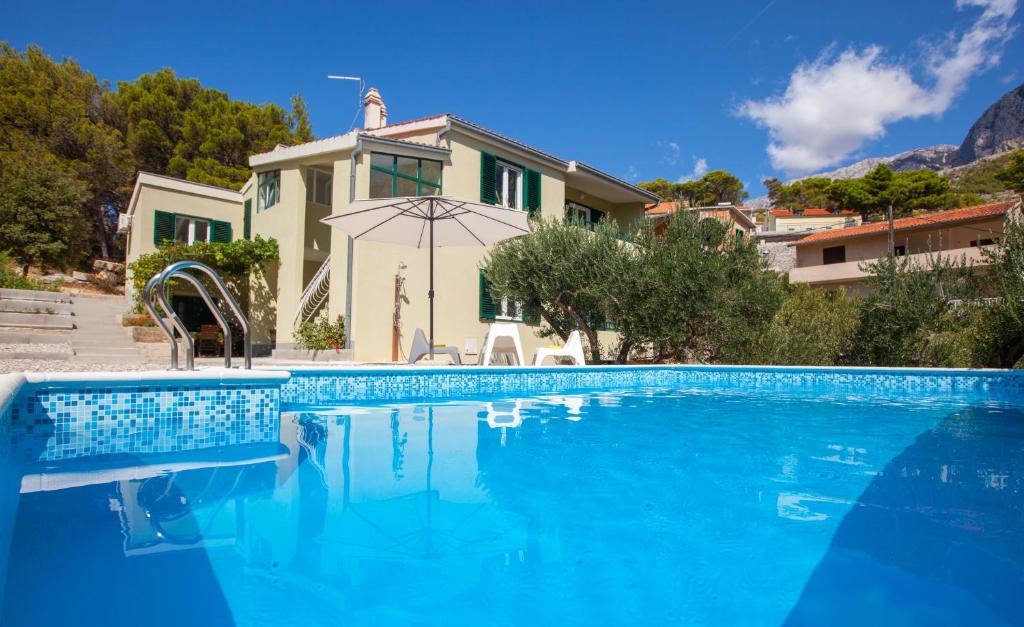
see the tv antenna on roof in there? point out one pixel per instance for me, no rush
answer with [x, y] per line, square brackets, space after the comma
[359, 102]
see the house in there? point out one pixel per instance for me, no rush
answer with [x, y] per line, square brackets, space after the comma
[835, 258]
[293, 187]
[796, 220]
[733, 217]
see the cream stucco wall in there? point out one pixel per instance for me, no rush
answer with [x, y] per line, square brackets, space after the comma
[810, 223]
[152, 199]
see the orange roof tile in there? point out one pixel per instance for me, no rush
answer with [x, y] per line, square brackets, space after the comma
[942, 218]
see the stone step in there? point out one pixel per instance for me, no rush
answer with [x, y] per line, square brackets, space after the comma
[34, 306]
[37, 355]
[36, 321]
[26, 337]
[54, 297]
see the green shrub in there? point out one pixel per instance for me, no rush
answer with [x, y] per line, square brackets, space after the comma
[813, 327]
[12, 279]
[321, 334]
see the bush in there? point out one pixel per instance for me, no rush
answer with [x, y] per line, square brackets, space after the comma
[321, 334]
[12, 279]
[812, 328]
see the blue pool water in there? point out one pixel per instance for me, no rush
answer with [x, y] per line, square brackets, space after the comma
[675, 504]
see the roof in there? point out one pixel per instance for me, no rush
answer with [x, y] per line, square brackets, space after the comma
[348, 140]
[668, 207]
[181, 185]
[812, 213]
[942, 218]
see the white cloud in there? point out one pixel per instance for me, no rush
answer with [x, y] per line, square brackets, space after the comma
[835, 104]
[631, 173]
[672, 152]
[700, 168]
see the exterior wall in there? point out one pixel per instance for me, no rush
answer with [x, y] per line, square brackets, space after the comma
[152, 199]
[811, 223]
[627, 215]
[917, 241]
[781, 254]
[851, 276]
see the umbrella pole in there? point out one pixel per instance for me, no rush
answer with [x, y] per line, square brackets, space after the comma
[430, 294]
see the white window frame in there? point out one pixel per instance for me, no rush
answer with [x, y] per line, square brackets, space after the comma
[192, 228]
[312, 174]
[580, 212]
[504, 306]
[501, 184]
[267, 193]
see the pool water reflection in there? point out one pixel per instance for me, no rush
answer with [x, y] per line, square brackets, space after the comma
[649, 506]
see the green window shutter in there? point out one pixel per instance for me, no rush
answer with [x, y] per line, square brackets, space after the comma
[487, 309]
[221, 232]
[532, 193]
[163, 227]
[488, 183]
[596, 216]
[247, 220]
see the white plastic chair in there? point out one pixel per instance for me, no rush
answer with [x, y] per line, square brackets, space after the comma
[573, 349]
[502, 341]
[421, 348]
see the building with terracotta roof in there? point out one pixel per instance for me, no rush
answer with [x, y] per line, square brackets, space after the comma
[733, 217]
[323, 270]
[836, 258]
[799, 220]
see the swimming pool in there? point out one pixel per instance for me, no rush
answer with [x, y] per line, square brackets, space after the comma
[487, 496]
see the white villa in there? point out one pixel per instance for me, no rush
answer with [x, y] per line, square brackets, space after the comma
[293, 187]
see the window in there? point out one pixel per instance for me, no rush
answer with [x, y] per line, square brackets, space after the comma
[834, 254]
[268, 190]
[899, 251]
[576, 211]
[984, 242]
[318, 187]
[169, 226]
[191, 230]
[508, 310]
[509, 186]
[501, 309]
[392, 175]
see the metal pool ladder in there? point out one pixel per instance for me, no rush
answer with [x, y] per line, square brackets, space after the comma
[178, 271]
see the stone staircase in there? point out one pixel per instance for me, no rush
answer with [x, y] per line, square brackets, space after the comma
[98, 337]
[29, 309]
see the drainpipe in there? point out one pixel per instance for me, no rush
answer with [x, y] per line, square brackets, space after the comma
[356, 152]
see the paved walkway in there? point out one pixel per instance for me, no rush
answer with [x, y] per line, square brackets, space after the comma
[98, 337]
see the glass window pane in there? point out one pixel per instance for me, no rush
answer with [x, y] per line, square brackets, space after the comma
[181, 229]
[310, 185]
[499, 185]
[323, 188]
[513, 189]
[431, 171]
[406, 187]
[380, 184]
[429, 190]
[202, 231]
[382, 161]
[408, 166]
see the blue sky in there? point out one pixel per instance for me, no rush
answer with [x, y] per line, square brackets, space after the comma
[641, 90]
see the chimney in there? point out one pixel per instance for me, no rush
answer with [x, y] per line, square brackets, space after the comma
[374, 113]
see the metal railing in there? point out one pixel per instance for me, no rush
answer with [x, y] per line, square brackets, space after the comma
[178, 271]
[315, 294]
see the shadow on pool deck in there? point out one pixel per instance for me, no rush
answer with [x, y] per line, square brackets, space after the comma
[937, 538]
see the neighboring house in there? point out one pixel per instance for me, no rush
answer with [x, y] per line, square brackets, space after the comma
[734, 218]
[796, 220]
[834, 258]
[294, 187]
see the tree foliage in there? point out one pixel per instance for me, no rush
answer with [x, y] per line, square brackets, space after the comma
[1012, 174]
[871, 194]
[64, 118]
[814, 327]
[40, 221]
[712, 188]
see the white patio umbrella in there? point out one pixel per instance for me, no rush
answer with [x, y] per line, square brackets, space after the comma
[429, 221]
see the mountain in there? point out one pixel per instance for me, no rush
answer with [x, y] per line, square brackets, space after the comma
[999, 129]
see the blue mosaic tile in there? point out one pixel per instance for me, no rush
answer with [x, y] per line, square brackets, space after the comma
[397, 385]
[49, 424]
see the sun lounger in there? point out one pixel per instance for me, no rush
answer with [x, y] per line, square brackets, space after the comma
[421, 348]
[503, 342]
[573, 349]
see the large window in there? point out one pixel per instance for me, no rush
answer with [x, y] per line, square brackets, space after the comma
[268, 190]
[509, 185]
[318, 187]
[392, 175]
[191, 230]
[833, 254]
